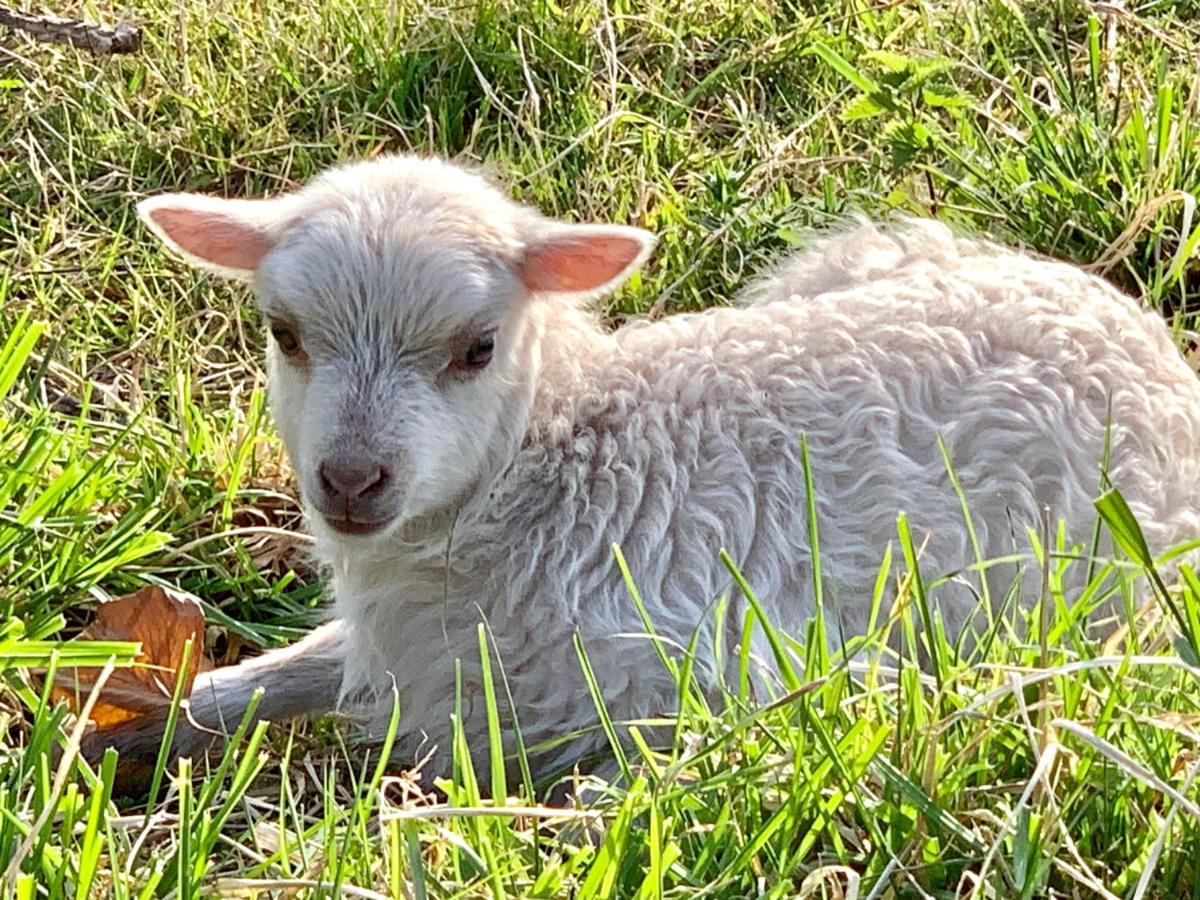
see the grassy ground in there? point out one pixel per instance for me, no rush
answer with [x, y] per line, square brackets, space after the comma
[134, 445]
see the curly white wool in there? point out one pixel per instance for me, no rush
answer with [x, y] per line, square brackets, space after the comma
[677, 438]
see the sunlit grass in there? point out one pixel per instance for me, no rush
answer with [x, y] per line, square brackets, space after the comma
[135, 445]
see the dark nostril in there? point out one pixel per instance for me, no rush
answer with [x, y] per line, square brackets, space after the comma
[352, 479]
[381, 479]
[326, 484]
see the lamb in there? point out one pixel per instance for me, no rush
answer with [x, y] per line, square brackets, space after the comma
[470, 442]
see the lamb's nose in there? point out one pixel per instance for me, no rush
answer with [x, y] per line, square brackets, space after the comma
[352, 479]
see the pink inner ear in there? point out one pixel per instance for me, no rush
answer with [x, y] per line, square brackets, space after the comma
[578, 263]
[213, 237]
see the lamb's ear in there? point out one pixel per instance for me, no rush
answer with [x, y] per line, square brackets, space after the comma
[226, 236]
[583, 259]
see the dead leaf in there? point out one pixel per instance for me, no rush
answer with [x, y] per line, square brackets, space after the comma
[162, 622]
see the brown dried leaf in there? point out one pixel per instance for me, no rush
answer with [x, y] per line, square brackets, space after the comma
[162, 622]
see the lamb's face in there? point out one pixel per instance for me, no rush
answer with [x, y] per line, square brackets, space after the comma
[400, 362]
[398, 296]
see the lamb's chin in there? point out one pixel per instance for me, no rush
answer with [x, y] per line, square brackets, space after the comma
[344, 544]
[357, 528]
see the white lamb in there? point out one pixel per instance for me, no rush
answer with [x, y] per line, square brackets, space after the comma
[470, 441]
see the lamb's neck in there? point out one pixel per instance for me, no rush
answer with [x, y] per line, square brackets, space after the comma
[419, 561]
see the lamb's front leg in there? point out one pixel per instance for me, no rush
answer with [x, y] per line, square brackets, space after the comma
[303, 679]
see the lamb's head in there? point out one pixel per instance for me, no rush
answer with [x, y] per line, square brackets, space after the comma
[401, 298]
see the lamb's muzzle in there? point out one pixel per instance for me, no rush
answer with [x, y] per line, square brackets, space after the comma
[433, 331]
[350, 494]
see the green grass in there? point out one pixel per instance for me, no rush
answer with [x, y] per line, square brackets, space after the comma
[135, 446]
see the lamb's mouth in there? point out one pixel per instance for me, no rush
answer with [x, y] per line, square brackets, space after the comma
[355, 526]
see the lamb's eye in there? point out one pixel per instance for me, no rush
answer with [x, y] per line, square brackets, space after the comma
[478, 355]
[286, 337]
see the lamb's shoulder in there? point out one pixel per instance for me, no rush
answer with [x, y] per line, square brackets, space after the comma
[650, 451]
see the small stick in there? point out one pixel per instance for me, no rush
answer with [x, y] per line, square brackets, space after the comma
[124, 38]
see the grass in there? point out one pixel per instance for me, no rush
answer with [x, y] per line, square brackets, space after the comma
[136, 446]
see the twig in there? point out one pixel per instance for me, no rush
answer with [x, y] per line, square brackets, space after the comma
[124, 38]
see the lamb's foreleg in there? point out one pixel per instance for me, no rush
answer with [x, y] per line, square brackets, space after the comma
[303, 679]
